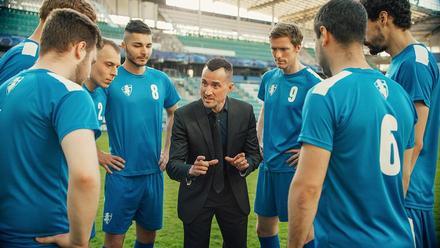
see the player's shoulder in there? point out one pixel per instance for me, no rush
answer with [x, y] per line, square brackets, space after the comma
[62, 82]
[271, 73]
[157, 73]
[24, 48]
[415, 54]
[323, 88]
[312, 75]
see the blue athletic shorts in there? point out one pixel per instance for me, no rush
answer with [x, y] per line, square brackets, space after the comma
[423, 226]
[138, 198]
[25, 243]
[272, 194]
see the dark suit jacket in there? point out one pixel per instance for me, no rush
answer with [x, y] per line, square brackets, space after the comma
[191, 137]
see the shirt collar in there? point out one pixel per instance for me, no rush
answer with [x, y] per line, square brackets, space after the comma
[225, 108]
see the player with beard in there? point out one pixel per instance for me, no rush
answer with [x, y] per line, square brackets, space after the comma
[48, 167]
[135, 103]
[415, 68]
[356, 136]
[283, 91]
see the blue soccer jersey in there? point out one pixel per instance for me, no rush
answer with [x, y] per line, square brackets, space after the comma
[366, 121]
[18, 58]
[416, 70]
[100, 101]
[134, 112]
[38, 109]
[283, 96]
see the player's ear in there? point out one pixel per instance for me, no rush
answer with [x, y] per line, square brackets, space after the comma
[383, 18]
[325, 36]
[123, 45]
[231, 86]
[80, 50]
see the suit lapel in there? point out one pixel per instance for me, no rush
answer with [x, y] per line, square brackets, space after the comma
[232, 115]
[203, 122]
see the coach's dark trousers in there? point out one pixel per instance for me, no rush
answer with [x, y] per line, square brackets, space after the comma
[231, 220]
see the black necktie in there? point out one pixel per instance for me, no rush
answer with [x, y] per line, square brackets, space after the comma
[218, 183]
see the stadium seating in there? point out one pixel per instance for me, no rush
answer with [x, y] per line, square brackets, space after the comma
[22, 23]
[242, 49]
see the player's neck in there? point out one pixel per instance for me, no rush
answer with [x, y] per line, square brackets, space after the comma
[348, 57]
[133, 69]
[51, 61]
[36, 35]
[90, 85]
[296, 67]
[399, 41]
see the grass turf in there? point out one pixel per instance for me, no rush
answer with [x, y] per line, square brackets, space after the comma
[171, 235]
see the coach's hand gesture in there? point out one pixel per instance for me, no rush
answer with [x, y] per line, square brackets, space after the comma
[240, 162]
[108, 161]
[200, 166]
[62, 240]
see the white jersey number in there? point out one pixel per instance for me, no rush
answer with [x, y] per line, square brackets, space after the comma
[292, 94]
[100, 108]
[388, 147]
[154, 92]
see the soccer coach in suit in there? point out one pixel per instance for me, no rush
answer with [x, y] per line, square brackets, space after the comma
[214, 147]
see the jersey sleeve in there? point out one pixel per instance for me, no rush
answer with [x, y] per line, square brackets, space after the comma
[416, 79]
[75, 111]
[262, 90]
[172, 97]
[318, 121]
[13, 62]
[411, 139]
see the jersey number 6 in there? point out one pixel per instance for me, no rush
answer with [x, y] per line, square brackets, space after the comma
[389, 151]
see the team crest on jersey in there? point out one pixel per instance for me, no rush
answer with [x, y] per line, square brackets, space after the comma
[127, 89]
[272, 89]
[13, 84]
[107, 218]
[382, 86]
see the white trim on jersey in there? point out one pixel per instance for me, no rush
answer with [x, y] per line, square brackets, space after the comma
[323, 87]
[30, 49]
[421, 54]
[314, 73]
[70, 86]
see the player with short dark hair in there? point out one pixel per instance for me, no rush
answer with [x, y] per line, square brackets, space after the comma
[48, 167]
[135, 102]
[414, 67]
[24, 55]
[104, 70]
[283, 91]
[356, 137]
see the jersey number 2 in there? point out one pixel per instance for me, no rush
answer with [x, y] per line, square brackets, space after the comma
[389, 151]
[100, 107]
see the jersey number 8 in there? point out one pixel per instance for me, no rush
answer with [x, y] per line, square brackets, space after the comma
[154, 92]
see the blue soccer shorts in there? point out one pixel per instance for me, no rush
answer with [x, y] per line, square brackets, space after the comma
[138, 198]
[423, 226]
[272, 194]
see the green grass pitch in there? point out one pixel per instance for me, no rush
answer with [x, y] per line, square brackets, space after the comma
[171, 236]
